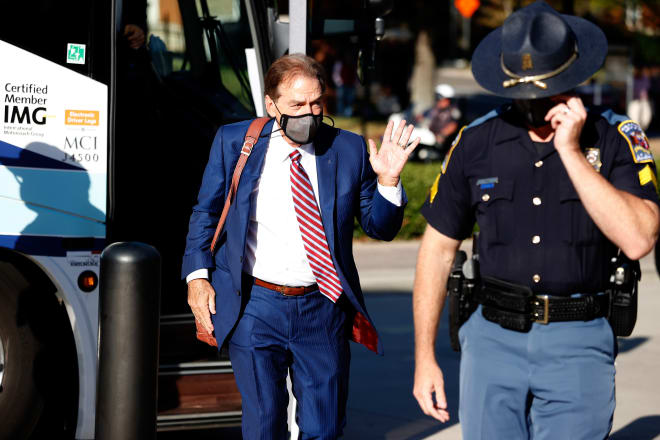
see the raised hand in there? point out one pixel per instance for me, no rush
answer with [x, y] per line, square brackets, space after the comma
[388, 162]
[567, 119]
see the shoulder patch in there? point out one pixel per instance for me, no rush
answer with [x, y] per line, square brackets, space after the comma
[637, 141]
[434, 188]
[457, 139]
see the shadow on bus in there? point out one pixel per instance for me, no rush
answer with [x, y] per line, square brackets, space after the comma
[58, 200]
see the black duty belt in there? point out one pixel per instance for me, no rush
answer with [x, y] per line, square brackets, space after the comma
[516, 307]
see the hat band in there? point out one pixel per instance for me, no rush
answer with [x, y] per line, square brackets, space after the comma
[534, 79]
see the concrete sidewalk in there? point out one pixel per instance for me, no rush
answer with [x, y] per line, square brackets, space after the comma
[381, 405]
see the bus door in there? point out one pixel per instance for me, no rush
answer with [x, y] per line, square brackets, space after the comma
[173, 94]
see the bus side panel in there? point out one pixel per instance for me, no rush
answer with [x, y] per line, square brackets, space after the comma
[53, 188]
[53, 155]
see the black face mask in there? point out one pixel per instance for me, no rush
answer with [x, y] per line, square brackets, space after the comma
[300, 129]
[533, 111]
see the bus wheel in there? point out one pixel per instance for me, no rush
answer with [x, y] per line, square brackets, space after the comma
[20, 402]
[34, 372]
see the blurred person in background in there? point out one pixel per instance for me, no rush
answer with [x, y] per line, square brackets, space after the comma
[344, 75]
[325, 54]
[443, 117]
[435, 126]
[386, 101]
[654, 95]
[556, 191]
[640, 108]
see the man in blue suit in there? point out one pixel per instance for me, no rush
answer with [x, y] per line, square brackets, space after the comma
[283, 276]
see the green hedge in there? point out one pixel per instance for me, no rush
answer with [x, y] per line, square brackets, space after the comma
[417, 178]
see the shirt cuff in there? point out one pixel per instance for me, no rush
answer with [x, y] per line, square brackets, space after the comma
[393, 194]
[199, 273]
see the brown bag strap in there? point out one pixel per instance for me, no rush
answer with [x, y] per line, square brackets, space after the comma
[253, 132]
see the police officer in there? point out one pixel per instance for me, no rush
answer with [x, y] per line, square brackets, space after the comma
[556, 189]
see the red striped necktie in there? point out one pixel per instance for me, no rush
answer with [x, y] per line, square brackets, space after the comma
[311, 229]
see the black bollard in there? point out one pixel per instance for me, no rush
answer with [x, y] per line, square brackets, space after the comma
[129, 313]
[657, 256]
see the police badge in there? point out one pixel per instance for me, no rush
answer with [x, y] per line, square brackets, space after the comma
[593, 157]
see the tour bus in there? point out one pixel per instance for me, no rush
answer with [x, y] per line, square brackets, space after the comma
[103, 142]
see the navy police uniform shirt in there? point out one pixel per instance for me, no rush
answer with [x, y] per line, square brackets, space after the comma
[533, 228]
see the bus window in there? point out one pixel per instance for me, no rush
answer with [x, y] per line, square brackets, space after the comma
[61, 32]
[169, 108]
[227, 11]
[228, 27]
[202, 44]
[227, 36]
[166, 41]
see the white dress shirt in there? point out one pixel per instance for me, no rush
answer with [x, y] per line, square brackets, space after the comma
[274, 250]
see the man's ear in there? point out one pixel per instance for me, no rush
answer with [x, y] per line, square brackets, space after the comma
[270, 107]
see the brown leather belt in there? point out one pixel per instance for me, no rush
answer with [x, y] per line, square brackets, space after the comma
[286, 290]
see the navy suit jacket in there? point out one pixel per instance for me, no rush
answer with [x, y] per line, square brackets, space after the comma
[348, 190]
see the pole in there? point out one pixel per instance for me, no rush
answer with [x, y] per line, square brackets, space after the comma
[298, 26]
[129, 313]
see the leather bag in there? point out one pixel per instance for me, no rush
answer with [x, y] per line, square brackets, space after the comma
[251, 137]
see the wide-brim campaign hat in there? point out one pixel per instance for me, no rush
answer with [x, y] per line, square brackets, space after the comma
[538, 52]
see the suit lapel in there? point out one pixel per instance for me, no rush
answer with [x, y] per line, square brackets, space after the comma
[326, 170]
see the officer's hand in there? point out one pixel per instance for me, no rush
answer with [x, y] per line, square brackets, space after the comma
[201, 299]
[567, 119]
[388, 162]
[429, 380]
